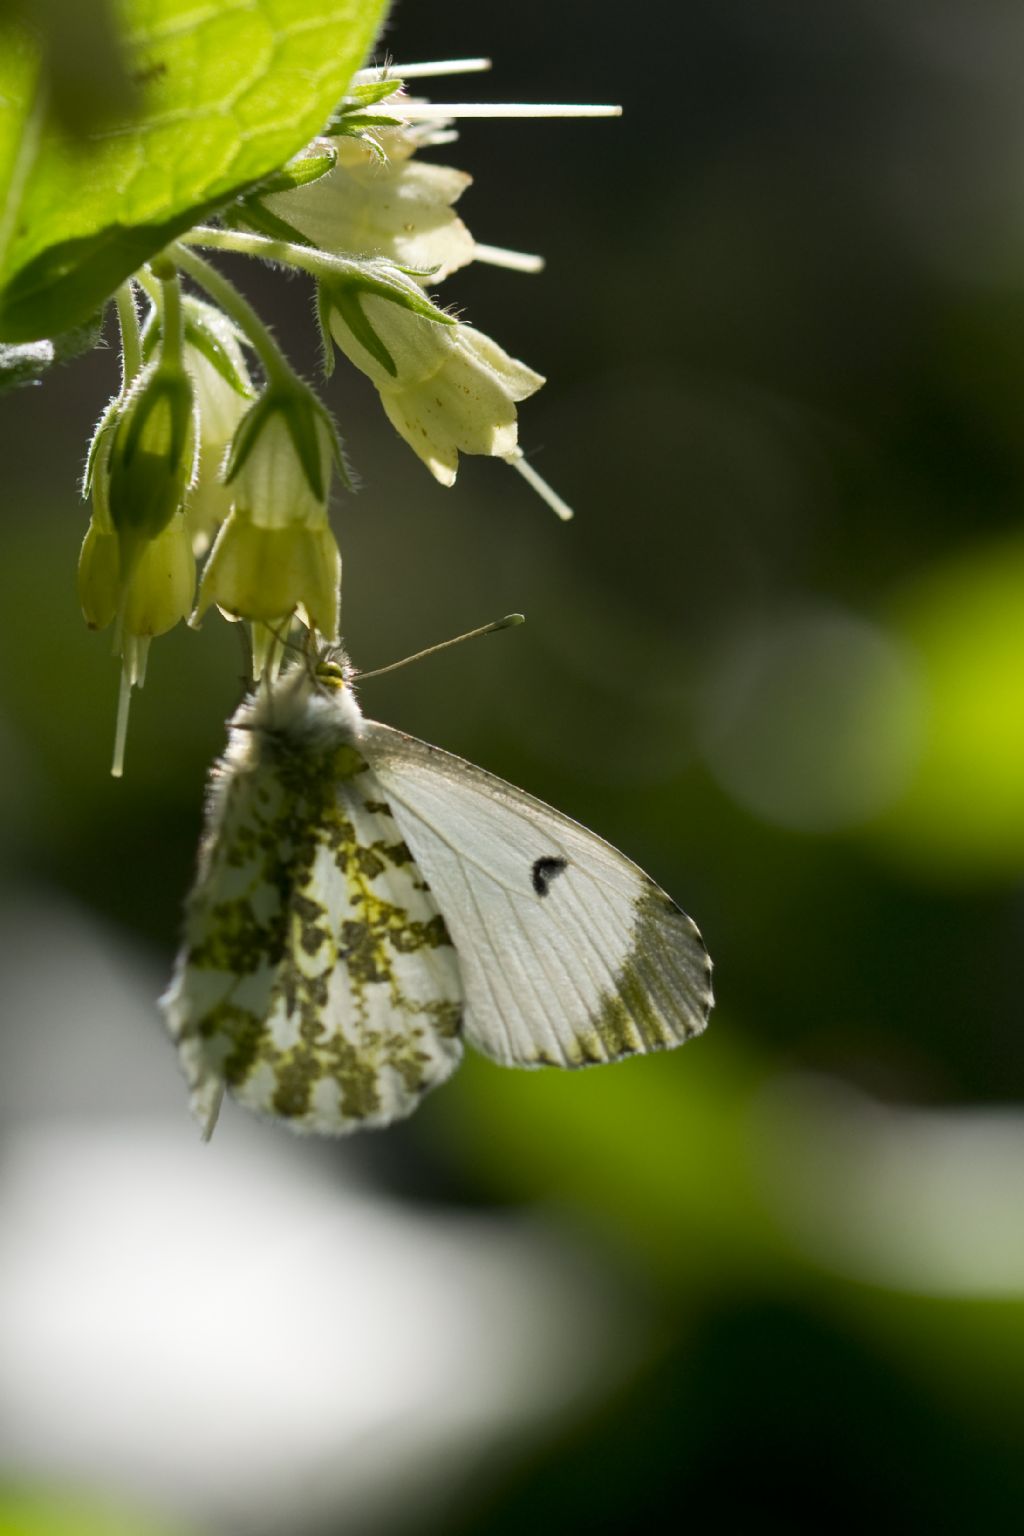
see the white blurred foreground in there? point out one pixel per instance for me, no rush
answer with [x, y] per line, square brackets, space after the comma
[248, 1336]
[234, 1332]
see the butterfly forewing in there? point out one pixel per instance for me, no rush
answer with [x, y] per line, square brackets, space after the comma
[318, 981]
[569, 953]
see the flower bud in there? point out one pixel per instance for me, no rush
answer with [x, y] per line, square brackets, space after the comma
[152, 452]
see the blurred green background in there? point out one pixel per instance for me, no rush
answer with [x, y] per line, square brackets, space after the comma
[776, 1279]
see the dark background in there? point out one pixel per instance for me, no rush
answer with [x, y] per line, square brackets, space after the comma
[777, 658]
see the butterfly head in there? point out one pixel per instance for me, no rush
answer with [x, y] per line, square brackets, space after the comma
[312, 697]
[332, 671]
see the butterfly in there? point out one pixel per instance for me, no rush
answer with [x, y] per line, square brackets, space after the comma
[365, 902]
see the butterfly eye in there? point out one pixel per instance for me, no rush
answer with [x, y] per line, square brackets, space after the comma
[331, 674]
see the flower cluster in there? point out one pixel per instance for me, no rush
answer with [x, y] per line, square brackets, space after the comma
[215, 449]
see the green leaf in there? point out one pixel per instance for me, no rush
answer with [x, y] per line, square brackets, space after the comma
[226, 93]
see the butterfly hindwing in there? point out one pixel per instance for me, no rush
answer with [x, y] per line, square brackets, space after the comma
[569, 953]
[318, 981]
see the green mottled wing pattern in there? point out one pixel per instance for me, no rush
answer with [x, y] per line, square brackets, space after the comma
[318, 982]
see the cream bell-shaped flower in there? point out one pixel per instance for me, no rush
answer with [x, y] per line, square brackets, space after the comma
[396, 207]
[148, 597]
[223, 391]
[449, 388]
[136, 563]
[267, 574]
[136, 568]
[282, 458]
[143, 585]
[275, 554]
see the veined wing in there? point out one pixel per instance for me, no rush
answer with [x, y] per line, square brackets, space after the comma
[569, 953]
[317, 981]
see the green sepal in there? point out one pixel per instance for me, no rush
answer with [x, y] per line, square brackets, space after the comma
[251, 213]
[354, 127]
[369, 92]
[103, 426]
[358, 99]
[344, 297]
[301, 170]
[346, 474]
[246, 433]
[375, 147]
[172, 385]
[323, 320]
[420, 273]
[150, 469]
[301, 426]
[399, 294]
[375, 276]
[300, 409]
[205, 327]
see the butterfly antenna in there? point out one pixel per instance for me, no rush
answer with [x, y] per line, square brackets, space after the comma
[508, 622]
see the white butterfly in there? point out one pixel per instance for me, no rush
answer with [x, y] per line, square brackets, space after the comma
[365, 901]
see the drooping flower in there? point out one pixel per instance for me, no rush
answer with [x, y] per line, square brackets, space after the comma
[445, 387]
[223, 390]
[267, 574]
[275, 555]
[144, 587]
[388, 205]
[136, 568]
[149, 597]
[141, 463]
[136, 564]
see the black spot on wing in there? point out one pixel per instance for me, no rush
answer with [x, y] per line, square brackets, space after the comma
[544, 871]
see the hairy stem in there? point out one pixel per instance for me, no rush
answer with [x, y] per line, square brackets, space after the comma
[275, 365]
[131, 340]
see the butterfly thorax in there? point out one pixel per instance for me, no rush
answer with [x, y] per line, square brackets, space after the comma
[303, 707]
